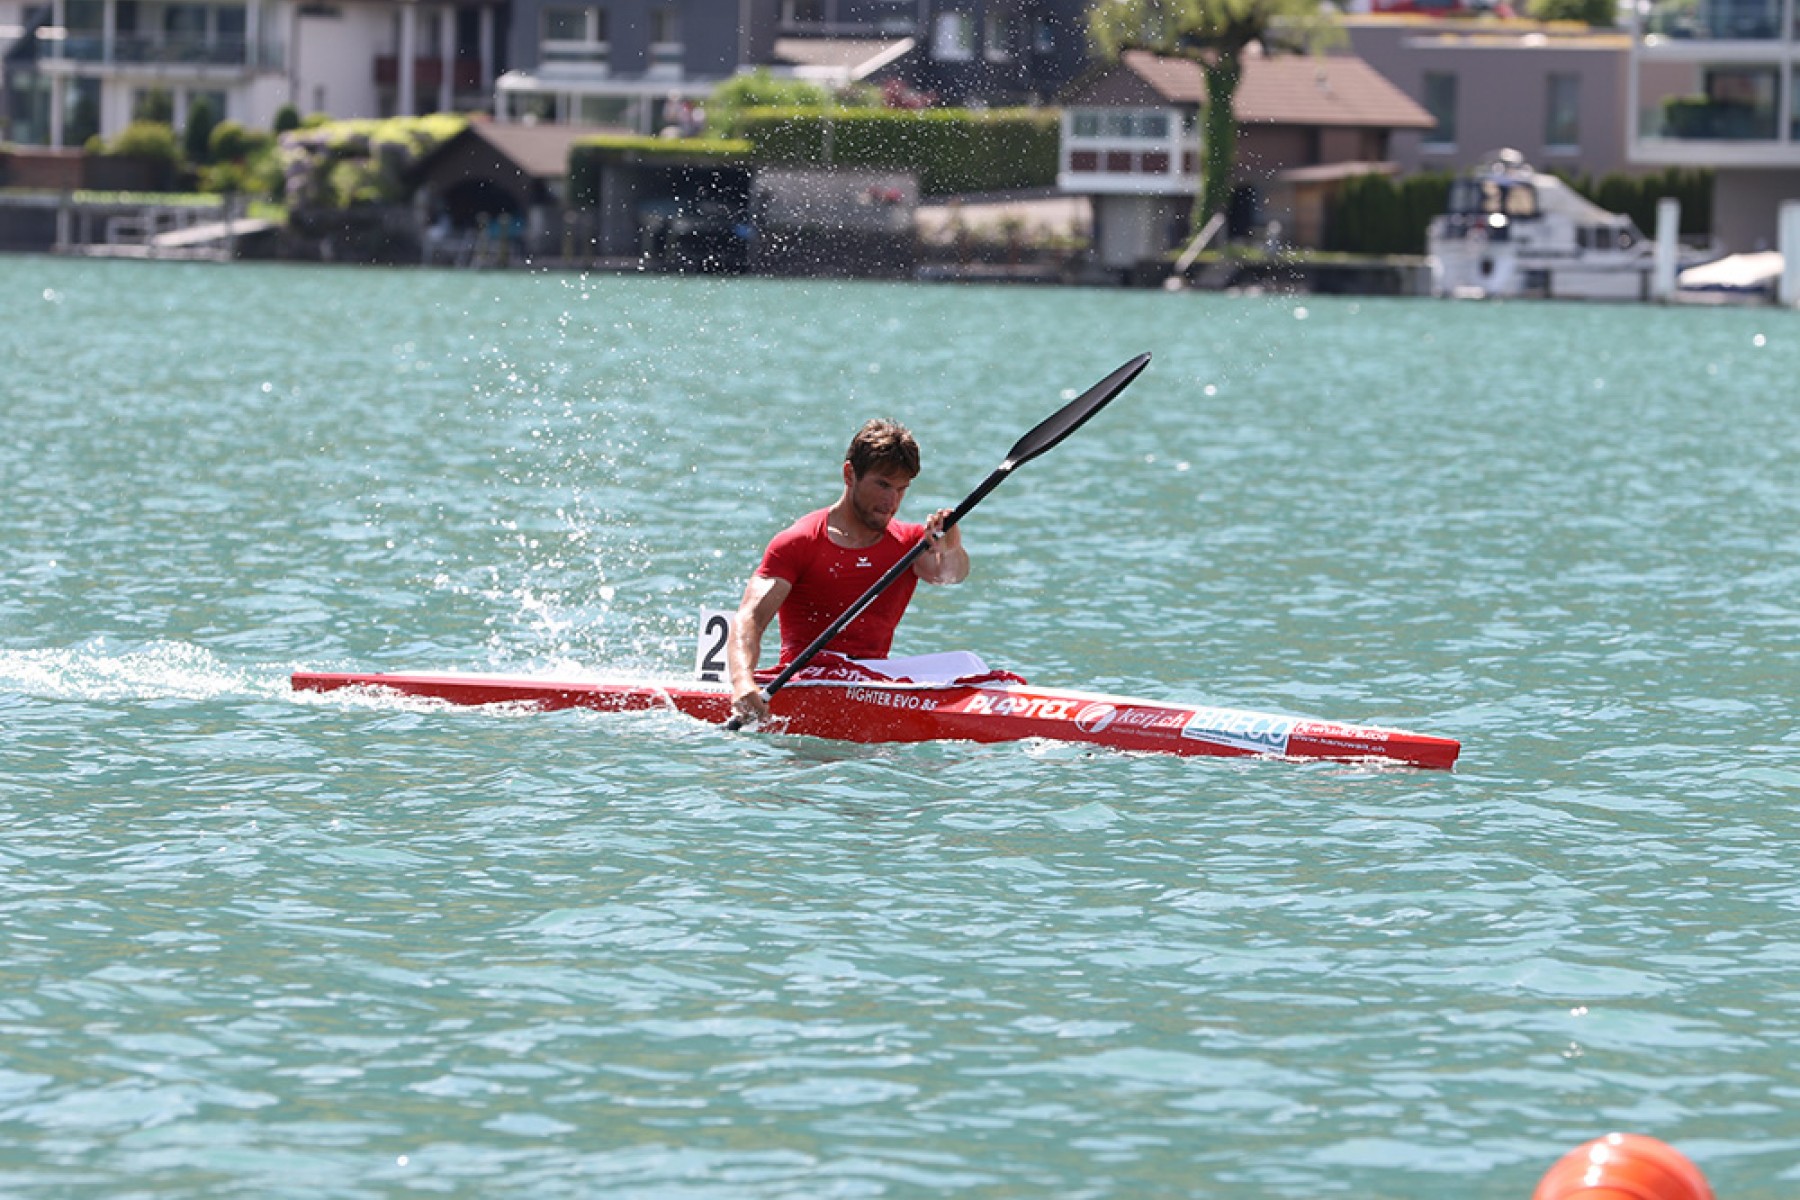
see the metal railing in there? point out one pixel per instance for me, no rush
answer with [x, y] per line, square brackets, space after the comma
[153, 49]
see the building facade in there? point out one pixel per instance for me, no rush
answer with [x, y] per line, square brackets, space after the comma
[76, 68]
[1717, 84]
[640, 63]
[626, 63]
[1131, 142]
[1557, 93]
[73, 68]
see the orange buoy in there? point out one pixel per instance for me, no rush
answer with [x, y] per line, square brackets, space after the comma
[1623, 1166]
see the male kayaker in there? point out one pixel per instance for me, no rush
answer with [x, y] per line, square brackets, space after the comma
[813, 571]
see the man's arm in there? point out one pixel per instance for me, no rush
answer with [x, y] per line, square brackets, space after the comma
[762, 600]
[946, 561]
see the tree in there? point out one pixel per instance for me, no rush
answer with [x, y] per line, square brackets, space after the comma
[155, 105]
[760, 89]
[1215, 35]
[1603, 14]
[197, 138]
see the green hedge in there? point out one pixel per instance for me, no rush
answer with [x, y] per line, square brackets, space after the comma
[1374, 214]
[1377, 214]
[588, 155]
[952, 150]
[1636, 196]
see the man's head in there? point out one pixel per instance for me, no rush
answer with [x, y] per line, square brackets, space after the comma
[885, 446]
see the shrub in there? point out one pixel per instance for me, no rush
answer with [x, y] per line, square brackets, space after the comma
[155, 106]
[1601, 13]
[231, 142]
[1636, 195]
[952, 150]
[1377, 214]
[340, 163]
[287, 118]
[197, 137]
[147, 139]
[758, 89]
[241, 160]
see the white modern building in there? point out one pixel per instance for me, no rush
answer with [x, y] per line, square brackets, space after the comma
[75, 68]
[1717, 84]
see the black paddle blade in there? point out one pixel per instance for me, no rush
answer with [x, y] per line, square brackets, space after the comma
[1074, 414]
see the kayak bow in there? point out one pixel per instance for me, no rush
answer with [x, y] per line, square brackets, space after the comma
[908, 712]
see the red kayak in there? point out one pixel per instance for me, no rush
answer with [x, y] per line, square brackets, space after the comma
[864, 711]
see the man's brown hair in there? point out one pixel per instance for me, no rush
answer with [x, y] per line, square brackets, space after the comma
[885, 445]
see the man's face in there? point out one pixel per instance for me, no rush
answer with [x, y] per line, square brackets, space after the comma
[875, 495]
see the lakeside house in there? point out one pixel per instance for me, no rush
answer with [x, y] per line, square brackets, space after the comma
[1718, 85]
[1130, 142]
[76, 68]
[70, 69]
[1558, 92]
[639, 64]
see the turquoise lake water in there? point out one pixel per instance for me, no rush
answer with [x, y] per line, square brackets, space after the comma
[263, 945]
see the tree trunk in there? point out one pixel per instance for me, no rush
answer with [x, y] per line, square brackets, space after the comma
[1219, 134]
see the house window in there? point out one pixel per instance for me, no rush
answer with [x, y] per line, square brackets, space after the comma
[1562, 113]
[185, 20]
[1125, 141]
[575, 35]
[997, 37]
[1736, 103]
[1043, 37]
[1742, 20]
[802, 12]
[81, 110]
[665, 40]
[954, 40]
[1118, 124]
[231, 24]
[1440, 102]
[1151, 125]
[83, 30]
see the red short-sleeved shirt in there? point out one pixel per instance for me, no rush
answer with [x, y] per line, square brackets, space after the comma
[827, 579]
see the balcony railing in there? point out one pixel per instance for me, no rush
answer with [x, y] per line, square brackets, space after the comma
[1716, 20]
[429, 72]
[1696, 119]
[156, 49]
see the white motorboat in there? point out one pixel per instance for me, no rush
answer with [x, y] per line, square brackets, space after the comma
[1513, 231]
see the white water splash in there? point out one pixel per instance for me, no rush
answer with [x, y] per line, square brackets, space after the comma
[98, 670]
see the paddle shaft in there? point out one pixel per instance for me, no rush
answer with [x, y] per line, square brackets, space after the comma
[1044, 436]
